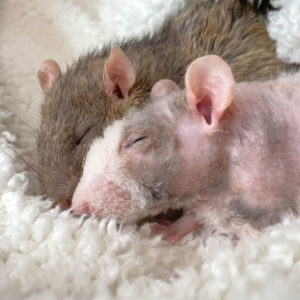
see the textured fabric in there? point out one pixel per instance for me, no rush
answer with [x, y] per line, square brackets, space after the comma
[48, 254]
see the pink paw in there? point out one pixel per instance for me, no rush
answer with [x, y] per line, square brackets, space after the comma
[174, 232]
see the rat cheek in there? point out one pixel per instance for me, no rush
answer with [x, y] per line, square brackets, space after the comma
[137, 155]
[139, 163]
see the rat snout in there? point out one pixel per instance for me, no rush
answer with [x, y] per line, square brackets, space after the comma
[101, 197]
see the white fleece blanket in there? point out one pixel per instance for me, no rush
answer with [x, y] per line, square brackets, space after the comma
[48, 254]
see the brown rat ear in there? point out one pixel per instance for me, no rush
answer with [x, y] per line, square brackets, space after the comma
[119, 74]
[209, 87]
[48, 72]
[163, 88]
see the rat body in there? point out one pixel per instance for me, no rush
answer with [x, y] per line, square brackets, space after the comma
[103, 84]
[225, 152]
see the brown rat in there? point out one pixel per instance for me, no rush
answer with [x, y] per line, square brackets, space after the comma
[225, 152]
[99, 87]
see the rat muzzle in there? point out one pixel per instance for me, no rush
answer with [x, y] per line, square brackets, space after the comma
[101, 197]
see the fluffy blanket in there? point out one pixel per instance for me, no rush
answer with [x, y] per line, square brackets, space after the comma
[49, 254]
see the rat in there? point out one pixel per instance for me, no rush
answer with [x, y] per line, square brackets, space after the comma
[103, 84]
[227, 153]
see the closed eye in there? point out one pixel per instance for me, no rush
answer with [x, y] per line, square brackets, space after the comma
[135, 141]
[83, 137]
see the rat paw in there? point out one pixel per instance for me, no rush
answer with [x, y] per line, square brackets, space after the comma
[174, 232]
[161, 227]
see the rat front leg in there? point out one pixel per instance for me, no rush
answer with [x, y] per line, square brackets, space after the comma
[173, 232]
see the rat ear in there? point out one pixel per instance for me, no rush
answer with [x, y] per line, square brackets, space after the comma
[209, 87]
[48, 72]
[119, 74]
[163, 88]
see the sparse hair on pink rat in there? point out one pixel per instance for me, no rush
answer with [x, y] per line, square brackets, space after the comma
[227, 153]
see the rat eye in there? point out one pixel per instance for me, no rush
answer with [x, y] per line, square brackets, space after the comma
[83, 137]
[135, 141]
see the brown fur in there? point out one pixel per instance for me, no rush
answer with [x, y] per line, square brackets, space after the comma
[77, 102]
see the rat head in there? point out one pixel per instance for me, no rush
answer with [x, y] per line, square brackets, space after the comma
[78, 105]
[152, 158]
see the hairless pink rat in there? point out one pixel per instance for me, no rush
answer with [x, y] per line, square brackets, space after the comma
[226, 152]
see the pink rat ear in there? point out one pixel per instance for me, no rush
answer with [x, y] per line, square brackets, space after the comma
[209, 87]
[162, 88]
[48, 72]
[119, 74]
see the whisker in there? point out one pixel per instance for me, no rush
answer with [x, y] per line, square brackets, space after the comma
[37, 113]
[35, 130]
[29, 166]
[13, 158]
